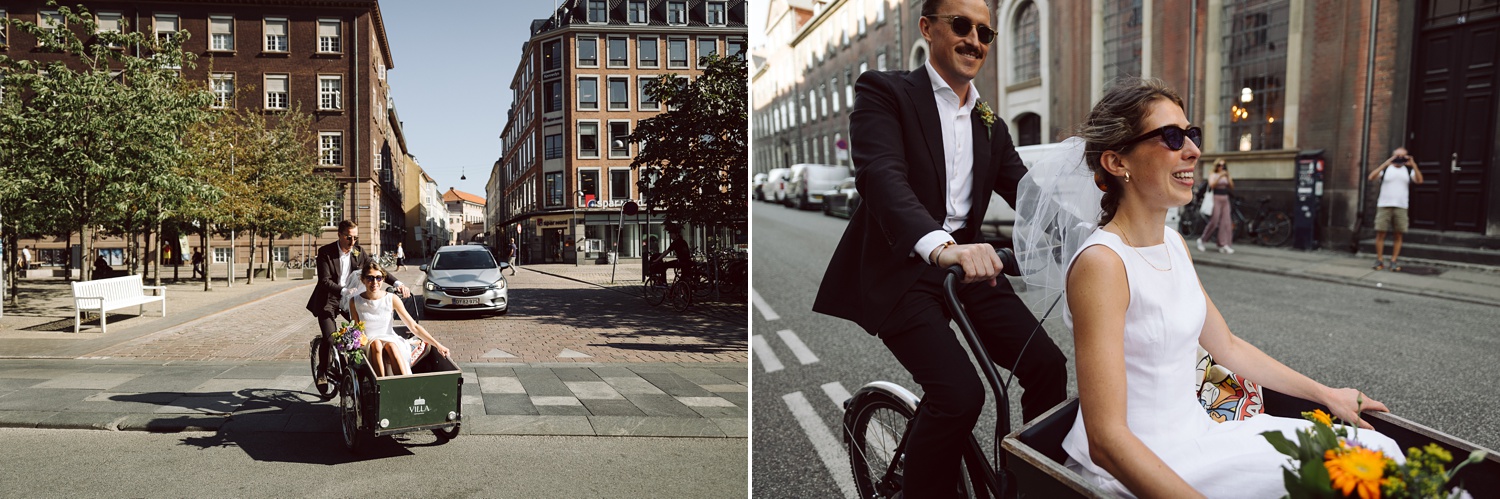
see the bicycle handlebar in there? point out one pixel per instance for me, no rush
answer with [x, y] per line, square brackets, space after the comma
[1007, 260]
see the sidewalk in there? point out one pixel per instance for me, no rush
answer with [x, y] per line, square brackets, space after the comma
[626, 278]
[1462, 282]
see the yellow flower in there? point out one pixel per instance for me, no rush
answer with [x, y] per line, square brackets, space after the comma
[1318, 416]
[1354, 469]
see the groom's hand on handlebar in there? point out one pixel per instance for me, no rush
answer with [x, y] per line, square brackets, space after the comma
[405, 292]
[979, 261]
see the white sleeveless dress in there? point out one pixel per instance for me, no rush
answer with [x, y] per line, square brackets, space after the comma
[1166, 315]
[377, 316]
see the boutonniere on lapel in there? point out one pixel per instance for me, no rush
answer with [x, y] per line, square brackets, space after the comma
[986, 115]
[354, 252]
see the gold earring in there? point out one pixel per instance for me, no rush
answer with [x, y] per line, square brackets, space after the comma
[1127, 177]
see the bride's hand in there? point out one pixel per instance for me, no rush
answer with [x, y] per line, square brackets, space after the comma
[1346, 404]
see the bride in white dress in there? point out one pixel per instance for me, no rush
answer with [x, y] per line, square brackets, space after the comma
[1138, 314]
[387, 351]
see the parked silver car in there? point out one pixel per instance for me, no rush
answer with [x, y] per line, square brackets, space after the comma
[774, 190]
[465, 277]
[805, 187]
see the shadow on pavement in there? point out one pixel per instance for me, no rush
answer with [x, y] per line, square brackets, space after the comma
[301, 448]
[594, 309]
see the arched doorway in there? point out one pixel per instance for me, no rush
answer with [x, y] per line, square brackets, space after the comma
[1028, 129]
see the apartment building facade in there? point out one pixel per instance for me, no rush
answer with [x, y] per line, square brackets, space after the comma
[327, 58]
[564, 174]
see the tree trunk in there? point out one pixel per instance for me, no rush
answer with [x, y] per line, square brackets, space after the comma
[207, 282]
[250, 267]
[270, 259]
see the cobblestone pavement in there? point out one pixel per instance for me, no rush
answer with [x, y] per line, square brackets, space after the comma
[643, 399]
[551, 319]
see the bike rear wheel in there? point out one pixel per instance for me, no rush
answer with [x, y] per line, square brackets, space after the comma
[873, 439]
[681, 296]
[654, 290]
[1275, 229]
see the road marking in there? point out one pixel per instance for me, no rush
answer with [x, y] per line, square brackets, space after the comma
[828, 447]
[496, 353]
[804, 355]
[763, 307]
[569, 353]
[836, 391]
[763, 352]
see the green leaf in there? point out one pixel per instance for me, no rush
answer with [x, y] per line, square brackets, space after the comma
[1281, 443]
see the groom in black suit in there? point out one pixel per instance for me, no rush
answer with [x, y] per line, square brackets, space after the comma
[927, 156]
[338, 264]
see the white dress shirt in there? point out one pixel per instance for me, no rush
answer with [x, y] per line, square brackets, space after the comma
[958, 159]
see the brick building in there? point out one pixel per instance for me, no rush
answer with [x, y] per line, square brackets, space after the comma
[465, 216]
[564, 173]
[328, 57]
[1266, 79]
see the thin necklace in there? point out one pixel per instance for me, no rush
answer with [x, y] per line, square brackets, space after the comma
[1143, 257]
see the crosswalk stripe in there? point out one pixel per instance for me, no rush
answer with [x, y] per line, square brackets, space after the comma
[828, 447]
[763, 352]
[836, 391]
[804, 355]
[763, 307]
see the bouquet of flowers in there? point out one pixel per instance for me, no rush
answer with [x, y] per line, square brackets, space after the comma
[1329, 461]
[349, 338]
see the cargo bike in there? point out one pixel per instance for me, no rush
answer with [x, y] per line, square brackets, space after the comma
[370, 407]
[877, 420]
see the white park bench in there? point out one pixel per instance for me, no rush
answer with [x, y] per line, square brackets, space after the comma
[114, 293]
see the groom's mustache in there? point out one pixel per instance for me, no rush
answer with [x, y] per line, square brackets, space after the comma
[967, 49]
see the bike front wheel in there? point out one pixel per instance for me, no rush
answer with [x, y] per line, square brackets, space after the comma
[874, 438]
[1275, 229]
[654, 291]
[681, 296]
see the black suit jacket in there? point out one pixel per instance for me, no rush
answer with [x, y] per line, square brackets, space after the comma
[327, 291]
[902, 181]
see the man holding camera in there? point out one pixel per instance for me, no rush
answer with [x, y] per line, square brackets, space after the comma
[1397, 174]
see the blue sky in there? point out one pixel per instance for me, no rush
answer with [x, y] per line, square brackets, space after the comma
[454, 61]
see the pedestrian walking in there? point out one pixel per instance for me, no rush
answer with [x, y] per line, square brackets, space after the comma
[1222, 184]
[930, 153]
[514, 250]
[1396, 175]
[400, 257]
[26, 258]
[197, 262]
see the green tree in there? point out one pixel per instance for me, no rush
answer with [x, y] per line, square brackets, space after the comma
[695, 151]
[97, 134]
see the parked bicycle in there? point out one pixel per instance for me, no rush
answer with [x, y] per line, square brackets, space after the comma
[388, 259]
[301, 262]
[678, 291]
[1269, 227]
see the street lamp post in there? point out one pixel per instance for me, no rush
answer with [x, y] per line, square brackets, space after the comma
[577, 196]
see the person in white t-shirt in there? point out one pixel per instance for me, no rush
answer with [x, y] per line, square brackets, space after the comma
[1397, 174]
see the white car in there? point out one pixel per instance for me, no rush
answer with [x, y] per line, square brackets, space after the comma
[465, 278]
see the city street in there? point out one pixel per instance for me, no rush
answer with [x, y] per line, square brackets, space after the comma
[577, 379]
[1427, 358]
[74, 463]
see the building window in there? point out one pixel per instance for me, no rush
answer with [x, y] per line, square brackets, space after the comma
[331, 148]
[279, 254]
[1122, 39]
[637, 12]
[4, 30]
[165, 25]
[716, 14]
[330, 92]
[276, 91]
[221, 255]
[552, 55]
[676, 13]
[588, 51]
[619, 52]
[588, 93]
[677, 56]
[619, 184]
[647, 103]
[588, 140]
[880, 61]
[333, 213]
[1028, 58]
[553, 97]
[619, 93]
[734, 47]
[554, 187]
[706, 47]
[107, 22]
[220, 33]
[1028, 129]
[276, 34]
[553, 146]
[223, 88]
[588, 185]
[328, 36]
[598, 13]
[1254, 74]
[618, 146]
[849, 88]
[646, 50]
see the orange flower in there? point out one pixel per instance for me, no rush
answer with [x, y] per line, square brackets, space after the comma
[1356, 469]
[1318, 416]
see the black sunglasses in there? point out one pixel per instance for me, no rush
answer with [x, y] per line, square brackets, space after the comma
[1171, 134]
[962, 25]
[368, 277]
